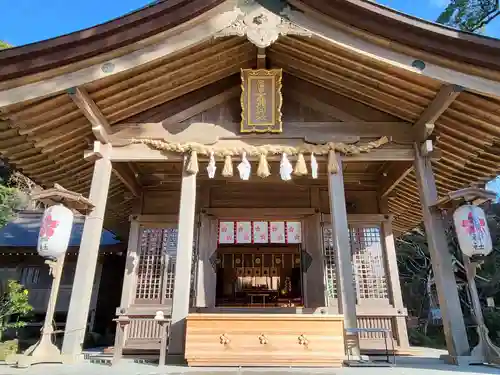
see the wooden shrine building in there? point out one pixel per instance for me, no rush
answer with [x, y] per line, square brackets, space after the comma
[260, 160]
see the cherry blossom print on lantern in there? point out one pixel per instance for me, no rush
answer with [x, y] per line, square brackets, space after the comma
[55, 231]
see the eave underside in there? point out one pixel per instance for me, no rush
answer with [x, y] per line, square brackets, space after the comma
[46, 138]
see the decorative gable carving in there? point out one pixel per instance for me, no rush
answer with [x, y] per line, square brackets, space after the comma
[261, 26]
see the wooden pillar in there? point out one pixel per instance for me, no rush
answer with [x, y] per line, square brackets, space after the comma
[449, 302]
[131, 264]
[394, 283]
[207, 278]
[182, 283]
[128, 287]
[315, 287]
[343, 260]
[81, 294]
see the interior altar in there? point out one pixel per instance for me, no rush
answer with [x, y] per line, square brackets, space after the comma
[264, 276]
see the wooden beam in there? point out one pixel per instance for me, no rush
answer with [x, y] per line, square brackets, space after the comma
[424, 126]
[143, 153]
[260, 213]
[202, 106]
[100, 126]
[127, 177]
[393, 175]
[320, 106]
[422, 130]
[261, 58]
[208, 133]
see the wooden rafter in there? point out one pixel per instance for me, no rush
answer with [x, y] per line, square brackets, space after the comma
[100, 126]
[393, 174]
[422, 129]
[424, 126]
[127, 176]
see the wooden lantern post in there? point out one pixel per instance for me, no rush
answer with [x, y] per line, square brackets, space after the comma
[63, 202]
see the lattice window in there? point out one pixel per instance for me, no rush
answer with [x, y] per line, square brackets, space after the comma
[329, 263]
[368, 262]
[170, 252]
[152, 262]
[157, 261]
[194, 270]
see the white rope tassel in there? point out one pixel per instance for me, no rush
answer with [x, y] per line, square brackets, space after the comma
[244, 167]
[286, 168]
[314, 166]
[211, 168]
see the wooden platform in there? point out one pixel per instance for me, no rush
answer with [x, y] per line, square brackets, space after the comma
[265, 340]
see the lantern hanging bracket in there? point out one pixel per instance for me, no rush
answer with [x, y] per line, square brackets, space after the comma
[472, 195]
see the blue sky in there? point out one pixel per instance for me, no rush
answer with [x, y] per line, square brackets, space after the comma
[28, 21]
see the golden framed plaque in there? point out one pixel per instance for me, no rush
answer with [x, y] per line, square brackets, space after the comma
[261, 101]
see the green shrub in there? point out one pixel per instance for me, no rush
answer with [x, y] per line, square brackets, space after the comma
[14, 306]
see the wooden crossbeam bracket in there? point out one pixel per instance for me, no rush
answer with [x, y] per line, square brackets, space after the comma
[393, 174]
[126, 175]
[422, 131]
[98, 151]
[424, 126]
[100, 126]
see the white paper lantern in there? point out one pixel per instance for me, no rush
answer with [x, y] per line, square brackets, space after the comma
[55, 231]
[472, 230]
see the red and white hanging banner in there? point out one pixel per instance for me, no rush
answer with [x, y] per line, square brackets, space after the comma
[293, 232]
[277, 232]
[226, 232]
[243, 232]
[260, 232]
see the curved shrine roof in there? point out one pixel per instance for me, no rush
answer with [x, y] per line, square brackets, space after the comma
[45, 134]
[164, 15]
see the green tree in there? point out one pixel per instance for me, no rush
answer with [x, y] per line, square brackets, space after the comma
[4, 45]
[418, 284]
[469, 15]
[9, 200]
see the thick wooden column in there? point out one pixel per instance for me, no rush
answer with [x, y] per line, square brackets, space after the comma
[340, 233]
[81, 294]
[182, 283]
[392, 272]
[449, 302]
[131, 264]
[315, 287]
[207, 278]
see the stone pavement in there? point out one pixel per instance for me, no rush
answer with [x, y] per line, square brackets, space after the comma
[404, 366]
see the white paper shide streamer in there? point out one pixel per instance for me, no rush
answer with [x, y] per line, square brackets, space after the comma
[286, 168]
[314, 166]
[244, 168]
[211, 168]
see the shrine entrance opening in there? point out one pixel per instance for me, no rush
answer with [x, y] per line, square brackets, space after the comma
[264, 276]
